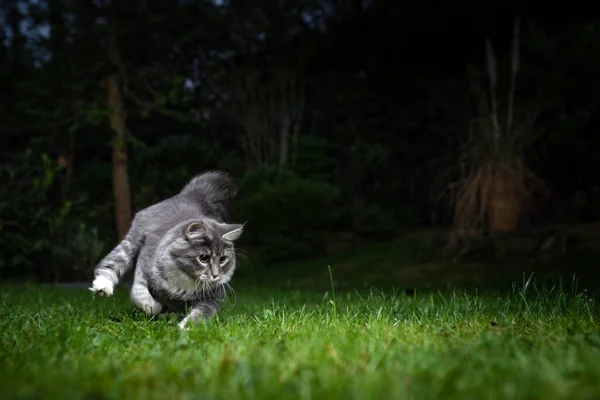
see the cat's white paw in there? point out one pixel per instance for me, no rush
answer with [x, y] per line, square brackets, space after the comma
[183, 325]
[102, 286]
[151, 309]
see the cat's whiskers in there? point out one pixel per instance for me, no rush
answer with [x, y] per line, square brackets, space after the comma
[226, 286]
[196, 284]
[213, 289]
[205, 288]
[240, 253]
[222, 285]
[201, 292]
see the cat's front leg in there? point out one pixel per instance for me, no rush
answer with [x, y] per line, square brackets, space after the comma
[200, 311]
[141, 297]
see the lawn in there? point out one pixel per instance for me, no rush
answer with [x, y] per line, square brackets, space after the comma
[274, 343]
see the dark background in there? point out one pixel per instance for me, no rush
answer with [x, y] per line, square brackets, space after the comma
[385, 106]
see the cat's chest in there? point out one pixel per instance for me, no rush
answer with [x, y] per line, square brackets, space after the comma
[181, 288]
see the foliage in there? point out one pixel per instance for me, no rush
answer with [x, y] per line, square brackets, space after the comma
[84, 248]
[289, 217]
[30, 222]
[372, 221]
[36, 229]
[496, 183]
[151, 185]
[267, 107]
[375, 132]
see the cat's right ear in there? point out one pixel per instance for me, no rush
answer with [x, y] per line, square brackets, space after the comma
[234, 232]
[195, 230]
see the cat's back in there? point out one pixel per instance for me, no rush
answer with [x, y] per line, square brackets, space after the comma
[206, 195]
[160, 217]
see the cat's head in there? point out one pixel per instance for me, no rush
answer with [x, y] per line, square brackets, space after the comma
[203, 249]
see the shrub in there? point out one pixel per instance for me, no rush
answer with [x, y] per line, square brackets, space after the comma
[372, 221]
[288, 216]
[38, 233]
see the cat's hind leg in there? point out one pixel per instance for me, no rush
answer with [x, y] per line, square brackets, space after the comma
[111, 268]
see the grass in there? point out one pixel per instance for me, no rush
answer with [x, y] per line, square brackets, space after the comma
[416, 260]
[266, 343]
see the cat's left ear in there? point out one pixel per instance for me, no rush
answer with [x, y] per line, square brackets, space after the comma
[233, 231]
[195, 230]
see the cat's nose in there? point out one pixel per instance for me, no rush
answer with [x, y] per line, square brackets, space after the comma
[215, 276]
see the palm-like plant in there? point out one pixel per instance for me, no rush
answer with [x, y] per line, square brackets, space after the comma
[495, 182]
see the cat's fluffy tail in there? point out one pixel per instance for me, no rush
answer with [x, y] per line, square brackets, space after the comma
[216, 188]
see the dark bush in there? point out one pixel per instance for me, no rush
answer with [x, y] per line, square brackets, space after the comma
[289, 217]
[38, 234]
[372, 221]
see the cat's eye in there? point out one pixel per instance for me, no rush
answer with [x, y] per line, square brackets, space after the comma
[204, 258]
[222, 260]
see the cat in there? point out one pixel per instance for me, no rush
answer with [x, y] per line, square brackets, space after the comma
[182, 249]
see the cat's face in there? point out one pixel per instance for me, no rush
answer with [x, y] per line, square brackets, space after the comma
[204, 250]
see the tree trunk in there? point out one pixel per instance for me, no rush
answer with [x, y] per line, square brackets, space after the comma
[284, 133]
[121, 189]
[295, 134]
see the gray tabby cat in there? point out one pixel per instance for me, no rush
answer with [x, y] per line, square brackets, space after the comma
[182, 249]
